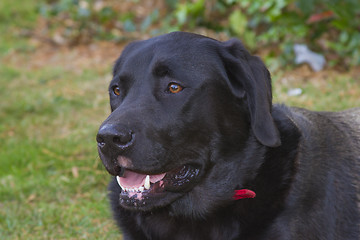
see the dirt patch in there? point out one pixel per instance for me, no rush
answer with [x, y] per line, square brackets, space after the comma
[101, 56]
[98, 55]
[303, 74]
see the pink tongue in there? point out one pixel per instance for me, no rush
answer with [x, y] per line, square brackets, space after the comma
[136, 180]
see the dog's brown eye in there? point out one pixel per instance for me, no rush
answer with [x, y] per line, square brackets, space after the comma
[116, 90]
[175, 88]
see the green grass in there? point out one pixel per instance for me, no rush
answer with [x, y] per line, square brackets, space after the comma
[332, 92]
[52, 183]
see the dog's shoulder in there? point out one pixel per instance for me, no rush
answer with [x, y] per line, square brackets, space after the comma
[327, 139]
[345, 123]
[349, 119]
[327, 168]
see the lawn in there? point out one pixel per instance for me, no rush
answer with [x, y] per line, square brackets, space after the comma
[52, 101]
[52, 183]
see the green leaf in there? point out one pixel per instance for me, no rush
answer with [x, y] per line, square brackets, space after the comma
[129, 26]
[181, 14]
[238, 22]
[249, 38]
[231, 1]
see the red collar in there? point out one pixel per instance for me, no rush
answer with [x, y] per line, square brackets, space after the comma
[243, 193]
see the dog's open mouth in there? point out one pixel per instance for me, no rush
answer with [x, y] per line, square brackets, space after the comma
[142, 190]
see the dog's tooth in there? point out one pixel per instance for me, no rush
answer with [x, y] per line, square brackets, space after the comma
[141, 189]
[147, 182]
[118, 181]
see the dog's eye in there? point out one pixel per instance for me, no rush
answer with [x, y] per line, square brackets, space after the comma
[175, 88]
[116, 90]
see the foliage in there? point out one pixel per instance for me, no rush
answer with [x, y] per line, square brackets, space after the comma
[78, 21]
[81, 21]
[15, 20]
[330, 26]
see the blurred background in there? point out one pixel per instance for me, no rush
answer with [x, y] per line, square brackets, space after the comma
[55, 62]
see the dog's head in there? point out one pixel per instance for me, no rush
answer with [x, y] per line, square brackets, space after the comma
[184, 110]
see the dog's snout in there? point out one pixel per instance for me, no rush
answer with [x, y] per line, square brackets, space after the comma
[115, 137]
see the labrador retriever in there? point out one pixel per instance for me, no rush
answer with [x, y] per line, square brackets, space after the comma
[198, 150]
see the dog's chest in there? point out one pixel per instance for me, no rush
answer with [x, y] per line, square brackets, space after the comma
[161, 227]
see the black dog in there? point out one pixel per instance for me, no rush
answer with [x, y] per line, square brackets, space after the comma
[193, 137]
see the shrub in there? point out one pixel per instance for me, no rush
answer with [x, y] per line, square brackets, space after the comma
[327, 26]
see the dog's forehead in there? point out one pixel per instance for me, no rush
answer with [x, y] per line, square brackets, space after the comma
[179, 48]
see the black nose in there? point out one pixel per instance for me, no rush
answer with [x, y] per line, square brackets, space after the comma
[115, 137]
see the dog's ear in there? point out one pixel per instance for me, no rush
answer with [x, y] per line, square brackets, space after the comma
[249, 79]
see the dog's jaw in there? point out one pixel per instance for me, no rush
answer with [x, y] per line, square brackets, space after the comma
[145, 191]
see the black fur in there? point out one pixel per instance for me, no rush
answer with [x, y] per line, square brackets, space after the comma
[303, 166]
